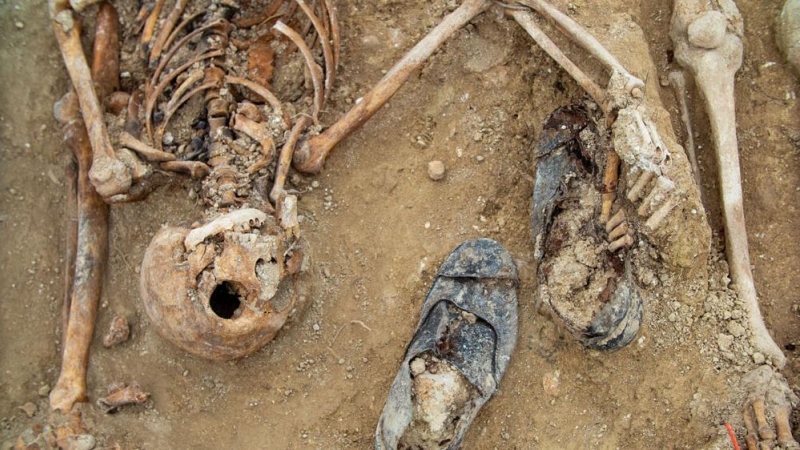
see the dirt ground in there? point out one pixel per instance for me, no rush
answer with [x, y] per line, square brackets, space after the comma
[378, 228]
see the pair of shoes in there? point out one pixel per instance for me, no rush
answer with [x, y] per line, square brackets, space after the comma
[468, 324]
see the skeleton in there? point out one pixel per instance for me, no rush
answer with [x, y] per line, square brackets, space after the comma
[707, 43]
[193, 55]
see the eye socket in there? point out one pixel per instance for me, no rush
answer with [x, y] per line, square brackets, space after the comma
[224, 300]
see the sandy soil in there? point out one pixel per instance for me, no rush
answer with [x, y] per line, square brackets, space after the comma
[379, 227]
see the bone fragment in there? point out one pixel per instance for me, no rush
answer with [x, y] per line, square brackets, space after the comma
[118, 332]
[150, 24]
[105, 52]
[585, 39]
[661, 213]
[195, 169]
[335, 32]
[615, 220]
[90, 257]
[311, 155]
[241, 218]
[265, 93]
[527, 21]
[784, 428]
[678, 83]
[624, 241]
[327, 51]
[166, 30]
[713, 71]
[610, 179]
[764, 430]
[147, 152]
[71, 246]
[285, 160]
[751, 438]
[313, 68]
[108, 174]
[657, 195]
[617, 232]
[258, 131]
[121, 396]
[639, 186]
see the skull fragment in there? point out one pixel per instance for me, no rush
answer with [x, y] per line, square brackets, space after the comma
[215, 291]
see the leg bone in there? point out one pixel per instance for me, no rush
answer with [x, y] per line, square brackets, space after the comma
[713, 63]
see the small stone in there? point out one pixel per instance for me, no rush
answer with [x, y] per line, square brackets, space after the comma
[417, 366]
[349, 376]
[550, 382]
[724, 341]
[341, 361]
[735, 329]
[480, 158]
[19, 24]
[168, 138]
[427, 225]
[436, 170]
[29, 409]
[626, 422]
[315, 184]
[44, 390]
[81, 442]
[708, 30]
[758, 358]
[673, 317]
[315, 327]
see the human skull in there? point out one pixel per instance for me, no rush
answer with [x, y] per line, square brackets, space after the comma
[214, 290]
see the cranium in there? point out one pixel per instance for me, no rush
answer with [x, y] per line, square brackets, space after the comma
[214, 290]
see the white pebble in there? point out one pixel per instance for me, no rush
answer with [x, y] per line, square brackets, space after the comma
[436, 170]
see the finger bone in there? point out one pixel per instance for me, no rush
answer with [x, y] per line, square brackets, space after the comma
[624, 241]
[618, 232]
[639, 186]
[615, 220]
[660, 214]
[657, 195]
[764, 430]
[784, 428]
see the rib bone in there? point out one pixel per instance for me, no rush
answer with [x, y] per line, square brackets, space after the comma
[713, 58]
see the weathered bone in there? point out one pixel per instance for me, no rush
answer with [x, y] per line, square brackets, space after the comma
[314, 69]
[92, 245]
[311, 155]
[92, 249]
[119, 396]
[789, 33]
[285, 160]
[528, 22]
[678, 83]
[108, 174]
[242, 218]
[708, 44]
[582, 37]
